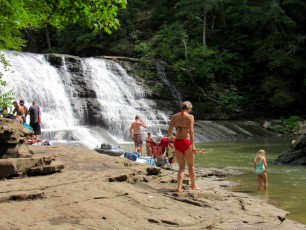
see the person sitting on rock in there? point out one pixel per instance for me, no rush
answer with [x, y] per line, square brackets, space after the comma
[150, 142]
[18, 112]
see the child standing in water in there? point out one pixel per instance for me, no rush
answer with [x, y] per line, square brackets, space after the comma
[261, 168]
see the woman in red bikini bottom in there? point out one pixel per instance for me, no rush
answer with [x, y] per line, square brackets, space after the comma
[184, 147]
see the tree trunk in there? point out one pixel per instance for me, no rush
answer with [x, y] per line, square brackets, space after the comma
[204, 28]
[185, 47]
[48, 38]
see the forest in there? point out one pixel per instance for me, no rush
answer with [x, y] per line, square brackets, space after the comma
[236, 54]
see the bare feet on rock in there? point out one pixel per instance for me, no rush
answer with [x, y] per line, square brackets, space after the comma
[195, 188]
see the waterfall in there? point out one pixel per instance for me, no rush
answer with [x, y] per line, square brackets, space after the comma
[162, 75]
[115, 94]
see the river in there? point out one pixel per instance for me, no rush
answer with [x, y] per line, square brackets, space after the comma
[287, 184]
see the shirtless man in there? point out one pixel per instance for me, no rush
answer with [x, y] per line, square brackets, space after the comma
[184, 147]
[135, 132]
[18, 112]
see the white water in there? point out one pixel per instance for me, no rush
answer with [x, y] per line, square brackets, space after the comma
[175, 93]
[120, 98]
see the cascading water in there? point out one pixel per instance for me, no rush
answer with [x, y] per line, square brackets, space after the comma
[119, 98]
[162, 75]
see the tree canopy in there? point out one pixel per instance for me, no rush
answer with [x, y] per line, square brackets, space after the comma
[16, 16]
[250, 53]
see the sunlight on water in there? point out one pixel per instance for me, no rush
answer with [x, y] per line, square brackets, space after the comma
[287, 184]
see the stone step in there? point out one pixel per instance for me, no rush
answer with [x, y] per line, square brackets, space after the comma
[29, 166]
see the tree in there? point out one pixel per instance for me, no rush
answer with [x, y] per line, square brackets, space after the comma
[278, 49]
[17, 15]
[197, 10]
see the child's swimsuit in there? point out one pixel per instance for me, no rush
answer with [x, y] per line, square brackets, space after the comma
[260, 167]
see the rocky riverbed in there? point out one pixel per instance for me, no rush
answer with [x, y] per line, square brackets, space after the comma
[95, 191]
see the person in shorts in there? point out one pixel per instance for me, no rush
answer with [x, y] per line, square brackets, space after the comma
[135, 132]
[35, 119]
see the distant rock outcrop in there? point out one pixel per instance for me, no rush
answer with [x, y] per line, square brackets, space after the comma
[297, 154]
[15, 156]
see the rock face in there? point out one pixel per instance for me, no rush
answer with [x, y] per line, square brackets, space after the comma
[159, 81]
[15, 156]
[13, 139]
[297, 154]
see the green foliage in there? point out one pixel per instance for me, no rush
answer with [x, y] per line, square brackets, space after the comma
[6, 99]
[281, 99]
[278, 92]
[257, 46]
[230, 100]
[288, 125]
[142, 49]
[168, 43]
[16, 15]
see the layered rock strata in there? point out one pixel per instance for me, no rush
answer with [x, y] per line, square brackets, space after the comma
[15, 157]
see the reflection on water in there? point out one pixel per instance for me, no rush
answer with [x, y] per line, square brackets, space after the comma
[287, 184]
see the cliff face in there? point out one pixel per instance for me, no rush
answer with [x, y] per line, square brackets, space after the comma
[163, 92]
[163, 85]
[163, 88]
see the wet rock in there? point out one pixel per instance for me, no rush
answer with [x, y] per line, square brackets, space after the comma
[153, 171]
[297, 154]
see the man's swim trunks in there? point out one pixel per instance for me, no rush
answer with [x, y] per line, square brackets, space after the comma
[138, 140]
[182, 144]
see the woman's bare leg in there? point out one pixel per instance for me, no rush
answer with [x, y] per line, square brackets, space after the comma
[180, 174]
[190, 162]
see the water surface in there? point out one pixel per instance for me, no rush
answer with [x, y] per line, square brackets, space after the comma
[287, 184]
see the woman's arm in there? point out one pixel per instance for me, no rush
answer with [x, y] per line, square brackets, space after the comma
[191, 132]
[152, 140]
[171, 128]
[265, 164]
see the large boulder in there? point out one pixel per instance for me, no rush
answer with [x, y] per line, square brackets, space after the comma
[15, 156]
[13, 139]
[297, 154]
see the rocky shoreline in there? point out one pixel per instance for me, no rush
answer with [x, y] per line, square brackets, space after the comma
[97, 191]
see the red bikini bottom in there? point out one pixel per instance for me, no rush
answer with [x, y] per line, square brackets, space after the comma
[182, 144]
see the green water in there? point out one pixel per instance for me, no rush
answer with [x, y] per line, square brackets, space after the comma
[287, 184]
